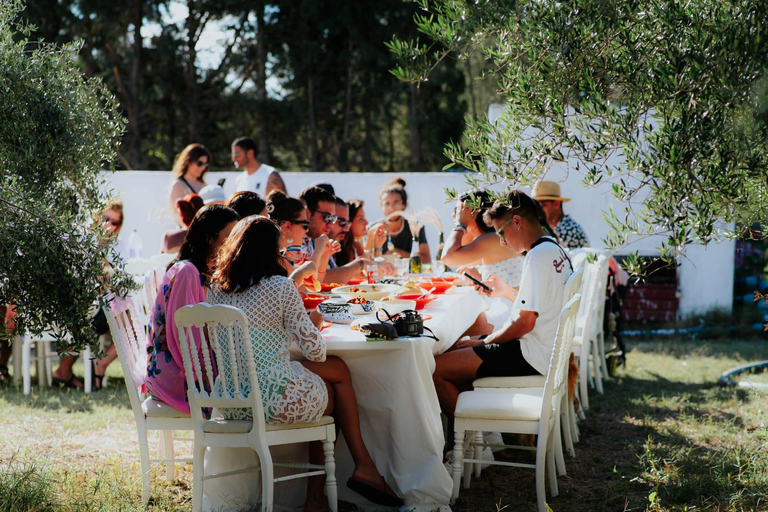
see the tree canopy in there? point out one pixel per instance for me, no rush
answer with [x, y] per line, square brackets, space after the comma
[676, 90]
[58, 130]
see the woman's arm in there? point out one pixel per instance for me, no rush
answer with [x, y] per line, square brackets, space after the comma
[299, 327]
[456, 254]
[177, 192]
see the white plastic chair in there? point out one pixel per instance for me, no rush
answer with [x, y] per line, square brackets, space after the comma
[512, 411]
[226, 390]
[144, 298]
[534, 384]
[43, 358]
[163, 259]
[150, 414]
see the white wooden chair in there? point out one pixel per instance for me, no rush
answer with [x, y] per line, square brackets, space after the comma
[513, 411]
[43, 358]
[534, 384]
[150, 414]
[209, 332]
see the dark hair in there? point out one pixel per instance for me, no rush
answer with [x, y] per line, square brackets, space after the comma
[246, 143]
[282, 208]
[205, 228]
[482, 198]
[247, 203]
[188, 207]
[341, 202]
[313, 195]
[325, 186]
[347, 252]
[395, 186]
[515, 203]
[251, 253]
[188, 155]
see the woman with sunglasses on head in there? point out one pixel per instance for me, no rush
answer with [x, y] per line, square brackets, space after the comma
[183, 285]
[393, 199]
[189, 169]
[474, 246]
[251, 277]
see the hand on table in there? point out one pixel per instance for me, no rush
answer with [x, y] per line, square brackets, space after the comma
[316, 317]
[467, 342]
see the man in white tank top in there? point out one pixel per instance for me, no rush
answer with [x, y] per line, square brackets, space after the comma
[256, 176]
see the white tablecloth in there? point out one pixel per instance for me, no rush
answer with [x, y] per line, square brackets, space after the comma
[399, 416]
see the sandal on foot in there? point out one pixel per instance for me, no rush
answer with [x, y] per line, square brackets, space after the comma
[5, 376]
[68, 383]
[375, 495]
[96, 379]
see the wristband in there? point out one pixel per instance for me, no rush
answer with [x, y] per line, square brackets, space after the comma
[459, 227]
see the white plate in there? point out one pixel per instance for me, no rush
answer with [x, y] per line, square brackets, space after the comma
[368, 291]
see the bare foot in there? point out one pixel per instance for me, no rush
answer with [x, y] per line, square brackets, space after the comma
[69, 381]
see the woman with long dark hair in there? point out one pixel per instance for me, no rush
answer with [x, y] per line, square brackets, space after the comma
[251, 277]
[183, 284]
[189, 170]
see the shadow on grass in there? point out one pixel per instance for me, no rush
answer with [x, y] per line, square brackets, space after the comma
[68, 399]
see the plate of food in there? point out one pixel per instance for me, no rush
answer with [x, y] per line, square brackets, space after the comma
[311, 300]
[327, 287]
[357, 305]
[439, 284]
[367, 291]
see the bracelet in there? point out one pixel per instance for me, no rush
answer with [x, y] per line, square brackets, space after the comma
[361, 263]
[378, 249]
[459, 227]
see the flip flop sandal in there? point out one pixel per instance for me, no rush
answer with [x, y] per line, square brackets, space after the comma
[5, 376]
[372, 494]
[69, 383]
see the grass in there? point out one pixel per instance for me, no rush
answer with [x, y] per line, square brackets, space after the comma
[664, 437]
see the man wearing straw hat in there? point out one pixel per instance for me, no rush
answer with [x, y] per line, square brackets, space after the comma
[568, 231]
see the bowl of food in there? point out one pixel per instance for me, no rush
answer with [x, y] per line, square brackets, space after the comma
[355, 305]
[394, 305]
[311, 300]
[440, 285]
[420, 301]
[367, 291]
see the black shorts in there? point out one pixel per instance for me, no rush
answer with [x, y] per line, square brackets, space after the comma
[503, 360]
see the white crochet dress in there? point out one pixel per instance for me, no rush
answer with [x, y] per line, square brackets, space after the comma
[290, 392]
[510, 271]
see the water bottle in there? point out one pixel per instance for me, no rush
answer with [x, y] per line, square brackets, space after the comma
[135, 245]
[414, 265]
[440, 246]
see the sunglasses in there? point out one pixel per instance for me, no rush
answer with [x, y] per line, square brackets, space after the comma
[328, 218]
[112, 222]
[200, 163]
[342, 222]
[302, 223]
[500, 231]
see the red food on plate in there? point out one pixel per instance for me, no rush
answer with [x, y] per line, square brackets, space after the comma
[420, 302]
[438, 285]
[327, 287]
[355, 281]
[311, 301]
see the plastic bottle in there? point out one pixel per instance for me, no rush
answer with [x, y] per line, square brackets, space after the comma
[414, 265]
[372, 272]
[135, 245]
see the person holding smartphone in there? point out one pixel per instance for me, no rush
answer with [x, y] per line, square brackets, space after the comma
[474, 247]
[523, 345]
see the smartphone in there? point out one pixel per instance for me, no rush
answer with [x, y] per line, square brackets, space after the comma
[221, 181]
[478, 283]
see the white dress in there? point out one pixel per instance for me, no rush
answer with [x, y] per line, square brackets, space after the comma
[510, 271]
[276, 315]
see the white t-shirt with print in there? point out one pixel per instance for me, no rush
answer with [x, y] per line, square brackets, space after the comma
[545, 271]
[256, 182]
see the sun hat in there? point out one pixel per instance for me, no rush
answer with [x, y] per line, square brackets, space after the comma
[211, 194]
[548, 191]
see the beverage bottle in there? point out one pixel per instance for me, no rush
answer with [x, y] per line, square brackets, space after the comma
[372, 272]
[440, 246]
[438, 267]
[414, 265]
[135, 245]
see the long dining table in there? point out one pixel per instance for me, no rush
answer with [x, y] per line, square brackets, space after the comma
[399, 412]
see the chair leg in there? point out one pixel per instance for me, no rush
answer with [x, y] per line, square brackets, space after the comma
[458, 459]
[597, 367]
[574, 424]
[330, 476]
[468, 468]
[557, 445]
[198, 469]
[16, 347]
[267, 483]
[601, 346]
[145, 466]
[566, 425]
[43, 347]
[166, 443]
[541, 457]
[87, 357]
[26, 357]
[478, 452]
[551, 466]
[584, 377]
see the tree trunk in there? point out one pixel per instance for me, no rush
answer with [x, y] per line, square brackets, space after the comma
[135, 155]
[344, 147]
[315, 162]
[471, 87]
[413, 122]
[367, 127]
[262, 121]
[193, 27]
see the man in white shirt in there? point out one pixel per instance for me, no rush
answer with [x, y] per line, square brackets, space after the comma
[256, 176]
[523, 345]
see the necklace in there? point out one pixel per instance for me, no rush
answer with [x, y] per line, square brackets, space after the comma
[395, 233]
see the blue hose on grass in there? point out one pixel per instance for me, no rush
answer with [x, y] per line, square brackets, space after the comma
[727, 378]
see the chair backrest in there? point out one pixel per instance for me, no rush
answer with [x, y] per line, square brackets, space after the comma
[127, 337]
[558, 363]
[590, 316]
[219, 337]
[573, 285]
[163, 259]
[139, 266]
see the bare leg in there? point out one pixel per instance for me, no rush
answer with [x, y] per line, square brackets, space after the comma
[336, 374]
[101, 364]
[64, 371]
[454, 373]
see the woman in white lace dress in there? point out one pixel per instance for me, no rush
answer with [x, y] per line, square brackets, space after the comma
[474, 246]
[251, 277]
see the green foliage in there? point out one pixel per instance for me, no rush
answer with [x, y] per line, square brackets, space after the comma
[26, 488]
[57, 131]
[675, 92]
